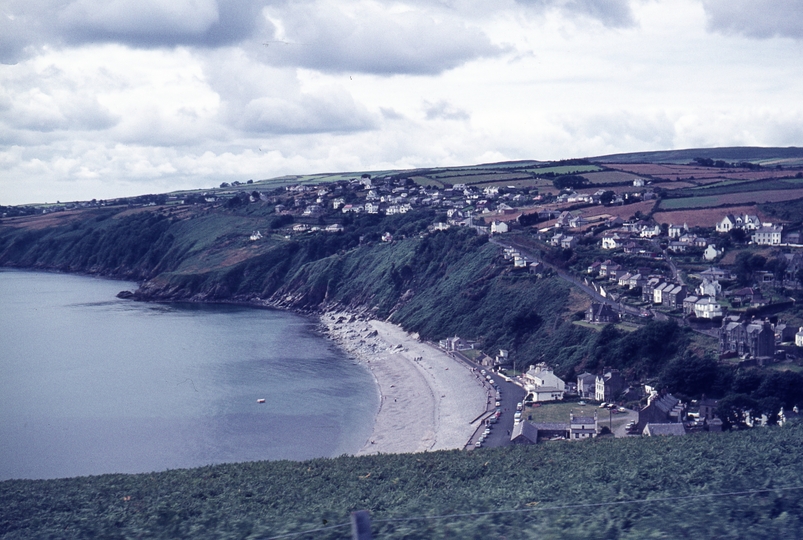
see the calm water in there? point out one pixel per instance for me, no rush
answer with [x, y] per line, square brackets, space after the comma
[91, 384]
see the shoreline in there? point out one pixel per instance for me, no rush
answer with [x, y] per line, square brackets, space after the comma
[427, 400]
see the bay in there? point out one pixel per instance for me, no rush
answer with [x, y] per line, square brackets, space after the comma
[92, 384]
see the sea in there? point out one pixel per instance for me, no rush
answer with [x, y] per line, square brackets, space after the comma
[91, 384]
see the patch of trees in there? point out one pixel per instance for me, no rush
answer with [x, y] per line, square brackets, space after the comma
[570, 181]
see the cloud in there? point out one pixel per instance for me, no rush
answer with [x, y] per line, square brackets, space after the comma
[370, 38]
[611, 13]
[332, 112]
[443, 110]
[27, 25]
[756, 18]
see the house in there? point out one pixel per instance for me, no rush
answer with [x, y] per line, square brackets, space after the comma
[675, 231]
[751, 222]
[334, 228]
[601, 314]
[768, 235]
[568, 242]
[498, 227]
[711, 253]
[636, 281]
[648, 288]
[609, 386]
[624, 279]
[673, 296]
[256, 235]
[593, 268]
[688, 304]
[542, 382]
[709, 287]
[387, 237]
[608, 267]
[727, 223]
[614, 240]
[658, 292]
[650, 232]
[653, 430]
[586, 385]
[638, 182]
[300, 227]
[799, 337]
[371, 208]
[784, 333]
[747, 296]
[582, 427]
[747, 338]
[524, 433]
[707, 308]
[453, 344]
[660, 409]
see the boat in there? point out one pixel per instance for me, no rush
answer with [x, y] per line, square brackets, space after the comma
[261, 400]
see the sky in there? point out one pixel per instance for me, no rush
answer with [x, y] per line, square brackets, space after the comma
[112, 98]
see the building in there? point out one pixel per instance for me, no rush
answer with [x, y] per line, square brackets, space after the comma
[707, 308]
[709, 287]
[768, 235]
[673, 296]
[524, 433]
[498, 227]
[586, 385]
[543, 384]
[582, 427]
[601, 314]
[747, 338]
[609, 386]
[660, 409]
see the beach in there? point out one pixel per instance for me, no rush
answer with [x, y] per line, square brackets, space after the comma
[428, 400]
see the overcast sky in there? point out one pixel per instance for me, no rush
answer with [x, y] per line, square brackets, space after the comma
[108, 98]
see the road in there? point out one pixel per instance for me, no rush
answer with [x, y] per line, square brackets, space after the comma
[511, 394]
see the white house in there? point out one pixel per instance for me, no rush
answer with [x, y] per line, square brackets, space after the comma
[709, 287]
[799, 337]
[768, 235]
[499, 227]
[675, 231]
[543, 383]
[711, 253]
[707, 308]
[727, 223]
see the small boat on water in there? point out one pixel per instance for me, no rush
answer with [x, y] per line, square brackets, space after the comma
[261, 400]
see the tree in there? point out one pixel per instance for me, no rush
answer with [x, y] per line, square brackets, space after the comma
[607, 197]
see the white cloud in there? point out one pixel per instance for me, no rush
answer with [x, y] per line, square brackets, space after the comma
[367, 37]
[150, 97]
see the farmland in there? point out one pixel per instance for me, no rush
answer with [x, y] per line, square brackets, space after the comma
[705, 217]
[732, 199]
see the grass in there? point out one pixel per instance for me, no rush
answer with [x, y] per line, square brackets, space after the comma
[557, 411]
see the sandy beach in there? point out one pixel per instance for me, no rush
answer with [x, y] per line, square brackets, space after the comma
[428, 400]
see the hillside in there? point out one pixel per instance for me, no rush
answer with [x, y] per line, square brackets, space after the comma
[744, 484]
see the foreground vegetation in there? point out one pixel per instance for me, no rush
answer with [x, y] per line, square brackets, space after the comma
[747, 485]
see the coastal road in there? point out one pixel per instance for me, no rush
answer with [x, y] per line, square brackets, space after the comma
[511, 394]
